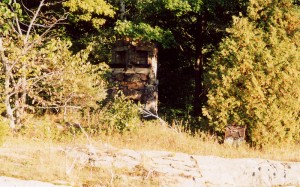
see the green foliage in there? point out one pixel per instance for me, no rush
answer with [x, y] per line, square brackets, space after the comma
[40, 72]
[100, 46]
[145, 32]
[255, 77]
[5, 15]
[181, 7]
[93, 11]
[73, 81]
[45, 129]
[121, 115]
[54, 80]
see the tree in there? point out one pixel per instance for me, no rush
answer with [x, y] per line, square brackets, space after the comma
[39, 71]
[256, 77]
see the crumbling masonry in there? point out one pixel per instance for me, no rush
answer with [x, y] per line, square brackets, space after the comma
[134, 70]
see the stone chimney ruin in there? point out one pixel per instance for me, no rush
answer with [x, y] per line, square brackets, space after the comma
[134, 72]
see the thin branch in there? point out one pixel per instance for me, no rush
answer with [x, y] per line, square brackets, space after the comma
[27, 8]
[13, 80]
[18, 24]
[39, 78]
[24, 24]
[64, 17]
[40, 25]
[112, 177]
[57, 107]
[54, 3]
[68, 171]
[33, 20]
[147, 114]
[91, 147]
[14, 29]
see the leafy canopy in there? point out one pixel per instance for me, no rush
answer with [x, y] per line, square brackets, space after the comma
[94, 11]
[143, 31]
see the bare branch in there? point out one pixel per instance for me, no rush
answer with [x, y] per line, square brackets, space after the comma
[40, 25]
[14, 29]
[12, 80]
[57, 107]
[148, 114]
[27, 8]
[18, 24]
[33, 20]
[64, 17]
[54, 3]
[39, 78]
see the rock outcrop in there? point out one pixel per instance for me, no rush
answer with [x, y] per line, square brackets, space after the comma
[174, 169]
[179, 169]
[13, 182]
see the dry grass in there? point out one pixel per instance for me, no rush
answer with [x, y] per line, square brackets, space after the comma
[25, 158]
[33, 159]
[155, 137]
[35, 155]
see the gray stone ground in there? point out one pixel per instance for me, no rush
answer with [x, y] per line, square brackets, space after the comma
[179, 169]
[13, 182]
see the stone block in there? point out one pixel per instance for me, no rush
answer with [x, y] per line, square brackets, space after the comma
[119, 77]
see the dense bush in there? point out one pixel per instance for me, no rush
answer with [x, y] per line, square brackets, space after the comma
[121, 114]
[255, 75]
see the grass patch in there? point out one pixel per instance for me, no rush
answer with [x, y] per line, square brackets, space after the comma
[35, 154]
[153, 136]
[32, 159]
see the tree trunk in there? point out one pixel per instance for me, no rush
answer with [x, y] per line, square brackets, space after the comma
[21, 102]
[7, 94]
[199, 93]
[9, 110]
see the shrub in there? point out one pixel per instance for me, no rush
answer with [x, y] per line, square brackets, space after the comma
[121, 114]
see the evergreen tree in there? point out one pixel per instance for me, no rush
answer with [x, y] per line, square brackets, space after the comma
[255, 80]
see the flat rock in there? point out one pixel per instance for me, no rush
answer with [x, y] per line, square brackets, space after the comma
[13, 182]
[179, 169]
